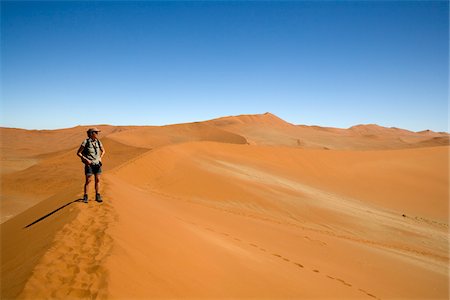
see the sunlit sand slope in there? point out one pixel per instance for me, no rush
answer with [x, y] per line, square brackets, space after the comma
[215, 220]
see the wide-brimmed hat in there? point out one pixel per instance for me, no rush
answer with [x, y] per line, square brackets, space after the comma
[93, 129]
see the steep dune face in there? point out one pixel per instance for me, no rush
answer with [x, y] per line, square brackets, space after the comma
[265, 129]
[153, 137]
[22, 247]
[373, 129]
[434, 141]
[237, 207]
[267, 119]
[373, 176]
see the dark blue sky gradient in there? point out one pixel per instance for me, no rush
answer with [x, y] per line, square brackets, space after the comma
[325, 63]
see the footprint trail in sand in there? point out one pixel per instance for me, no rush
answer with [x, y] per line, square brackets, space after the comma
[301, 266]
[73, 266]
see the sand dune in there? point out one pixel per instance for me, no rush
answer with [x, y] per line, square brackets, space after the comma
[229, 208]
[268, 129]
[153, 137]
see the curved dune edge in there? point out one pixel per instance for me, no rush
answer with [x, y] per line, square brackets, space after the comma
[212, 220]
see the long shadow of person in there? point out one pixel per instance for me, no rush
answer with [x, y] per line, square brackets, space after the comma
[51, 213]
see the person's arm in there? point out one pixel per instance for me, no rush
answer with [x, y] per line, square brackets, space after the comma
[80, 154]
[102, 149]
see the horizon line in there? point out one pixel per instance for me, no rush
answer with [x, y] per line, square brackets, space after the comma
[216, 118]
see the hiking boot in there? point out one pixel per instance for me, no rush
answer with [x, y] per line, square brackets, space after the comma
[85, 198]
[98, 198]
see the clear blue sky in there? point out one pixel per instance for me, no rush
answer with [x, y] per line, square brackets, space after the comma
[328, 63]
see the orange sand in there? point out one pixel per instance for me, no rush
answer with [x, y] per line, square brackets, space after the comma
[237, 207]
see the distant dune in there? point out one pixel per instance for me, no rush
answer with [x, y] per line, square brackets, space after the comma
[236, 207]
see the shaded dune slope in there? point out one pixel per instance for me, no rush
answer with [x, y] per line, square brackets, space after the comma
[153, 136]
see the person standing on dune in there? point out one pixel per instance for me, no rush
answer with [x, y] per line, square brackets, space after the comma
[91, 152]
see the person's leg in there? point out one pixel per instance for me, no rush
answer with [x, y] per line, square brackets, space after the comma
[86, 184]
[98, 197]
[86, 187]
[97, 183]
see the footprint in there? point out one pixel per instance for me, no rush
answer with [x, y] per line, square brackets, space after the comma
[300, 265]
[340, 280]
[315, 241]
[368, 294]
[343, 282]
